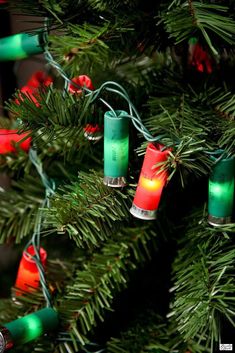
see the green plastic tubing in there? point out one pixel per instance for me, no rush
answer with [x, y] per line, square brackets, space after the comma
[32, 326]
[221, 188]
[116, 144]
[21, 46]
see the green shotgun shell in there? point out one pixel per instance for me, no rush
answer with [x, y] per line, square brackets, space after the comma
[22, 45]
[116, 148]
[28, 328]
[221, 191]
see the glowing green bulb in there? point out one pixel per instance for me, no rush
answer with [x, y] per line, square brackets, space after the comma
[21, 45]
[221, 198]
[221, 191]
[116, 148]
[29, 327]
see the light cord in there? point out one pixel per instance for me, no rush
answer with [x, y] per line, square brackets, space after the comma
[35, 240]
[108, 86]
[133, 113]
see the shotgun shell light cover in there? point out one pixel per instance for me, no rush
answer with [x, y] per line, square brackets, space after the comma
[27, 328]
[221, 191]
[116, 148]
[150, 184]
[28, 275]
[10, 137]
[93, 132]
[21, 45]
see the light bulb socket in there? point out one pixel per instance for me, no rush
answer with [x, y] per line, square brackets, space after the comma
[218, 221]
[6, 341]
[93, 136]
[116, 182]
[143, 214]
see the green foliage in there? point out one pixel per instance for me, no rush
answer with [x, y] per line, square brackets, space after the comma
[182, 112]
[19, 208]
[8, 310]
[196, 18]
[154, 337]
[227, 140]
[108, 5]
[203, 282]
[94, 287]
[151, 333]
[177, 118]
[57, 11]
[188, 157]
[94, 241]
[224, 105]
[82, 49]
[87, 210]
[186, 131]
[59, 116]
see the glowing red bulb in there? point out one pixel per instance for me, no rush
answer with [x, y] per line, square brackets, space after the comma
[9, 137]
[28, 277]
[151, 182]
[80, 81]
[39, 79]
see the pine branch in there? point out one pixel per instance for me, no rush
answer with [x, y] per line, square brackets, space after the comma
[152, 333]
[106, 5]
[91, 294]
[224, 105]
[59, 12]
[82, 49]
[19, 208]
[15, 161]
[87, 210]
[177, 118]
[187, 131]
[181, 110]
[8, 310]
[188, 158]
[203, 283]
[207, 20]
[148, 333]
[227, 140]
[59, 116]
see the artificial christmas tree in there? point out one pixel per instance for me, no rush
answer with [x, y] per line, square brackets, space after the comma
[161, 277]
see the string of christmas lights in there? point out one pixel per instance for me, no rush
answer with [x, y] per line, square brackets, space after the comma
[145, 204]
[115, 139]
[34, 243]
[29, 43]
[31, 270]
[30, 273]
[151, 183]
